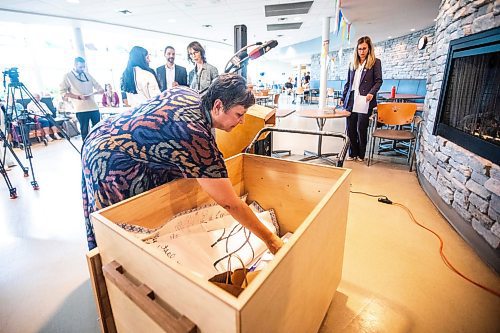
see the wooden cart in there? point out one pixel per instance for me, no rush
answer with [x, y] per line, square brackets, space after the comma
[142, 291]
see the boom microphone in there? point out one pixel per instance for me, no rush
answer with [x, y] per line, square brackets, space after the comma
[237, 58]
[261, 50]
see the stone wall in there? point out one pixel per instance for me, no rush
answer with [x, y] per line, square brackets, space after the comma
[400, 57]
[465, 181]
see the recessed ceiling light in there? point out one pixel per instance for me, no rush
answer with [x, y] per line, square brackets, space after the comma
[389, 37]
[435, 19]
[125, 12]
[280, 35]
[412, 29]
[282, 18]
[206, 25]
[224, 39]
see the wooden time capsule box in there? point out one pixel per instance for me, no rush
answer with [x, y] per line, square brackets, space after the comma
[142, 291]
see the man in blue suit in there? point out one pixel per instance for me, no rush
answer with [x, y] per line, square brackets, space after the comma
[171, 75]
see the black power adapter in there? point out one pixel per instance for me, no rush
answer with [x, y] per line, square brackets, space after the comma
[385, 200]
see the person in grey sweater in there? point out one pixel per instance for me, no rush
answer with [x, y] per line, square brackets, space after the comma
[79, 86]
[203, 74]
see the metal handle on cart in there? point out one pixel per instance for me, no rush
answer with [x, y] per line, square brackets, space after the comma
[341, 155]
[144, 297]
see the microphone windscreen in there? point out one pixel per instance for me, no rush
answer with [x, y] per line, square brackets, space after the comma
[255, 53]
[273, 43]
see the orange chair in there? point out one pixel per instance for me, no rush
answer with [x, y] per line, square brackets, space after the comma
[275, 100]
[299, 92]
[394, 116]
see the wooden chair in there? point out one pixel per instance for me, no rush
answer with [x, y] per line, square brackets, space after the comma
[265, 93]
[276, 100]
[299, 92]
[393, 116]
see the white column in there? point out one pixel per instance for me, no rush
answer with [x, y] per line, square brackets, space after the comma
[299, 76]
[78, 40]
[325, 48]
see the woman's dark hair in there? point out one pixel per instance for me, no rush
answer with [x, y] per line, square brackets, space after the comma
[231, 89]
[196, 47]
[137, 57]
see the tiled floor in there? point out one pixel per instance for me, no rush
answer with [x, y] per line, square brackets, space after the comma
[393, 277]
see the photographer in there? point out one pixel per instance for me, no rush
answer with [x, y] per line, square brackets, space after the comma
[40, 116]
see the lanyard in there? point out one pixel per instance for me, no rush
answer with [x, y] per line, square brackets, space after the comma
[198, 76]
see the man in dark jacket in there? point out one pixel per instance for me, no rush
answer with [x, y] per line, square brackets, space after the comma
[171, 75]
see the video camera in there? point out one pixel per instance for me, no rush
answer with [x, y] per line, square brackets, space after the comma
[12, 73]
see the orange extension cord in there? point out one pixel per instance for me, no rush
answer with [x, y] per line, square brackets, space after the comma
[384, 199]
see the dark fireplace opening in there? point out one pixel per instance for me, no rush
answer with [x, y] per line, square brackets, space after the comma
[469, 105]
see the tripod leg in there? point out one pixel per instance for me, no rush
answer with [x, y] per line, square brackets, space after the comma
[29, 156]
[8, 124]
[12, 189]
[25, 169]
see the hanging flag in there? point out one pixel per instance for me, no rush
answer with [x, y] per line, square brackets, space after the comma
[349, 31]
[325, 49]
[343, 28]
[336, 11]
[340, 21]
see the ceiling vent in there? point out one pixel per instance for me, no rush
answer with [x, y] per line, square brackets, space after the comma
[125, 12]
[293, 8]
[284, 26]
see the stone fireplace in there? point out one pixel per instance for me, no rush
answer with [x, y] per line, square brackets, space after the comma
[459, 152]
[468, 112]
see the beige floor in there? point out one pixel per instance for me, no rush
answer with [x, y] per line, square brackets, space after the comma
[393, 277]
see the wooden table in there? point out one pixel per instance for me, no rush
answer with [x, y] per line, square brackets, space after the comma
[262, 99]
[321, 116]
[282, 113]
[107, 111]
[401, 98]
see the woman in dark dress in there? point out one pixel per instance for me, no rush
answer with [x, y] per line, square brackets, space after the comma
[360, 96]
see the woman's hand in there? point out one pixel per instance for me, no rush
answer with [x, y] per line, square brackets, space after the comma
[221, 190]
[274, 244]
[369, 97]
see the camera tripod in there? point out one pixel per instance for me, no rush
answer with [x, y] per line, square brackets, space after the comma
[23, 122]
[3, 171]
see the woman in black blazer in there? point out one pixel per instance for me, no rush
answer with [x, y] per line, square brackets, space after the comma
[363, 82]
